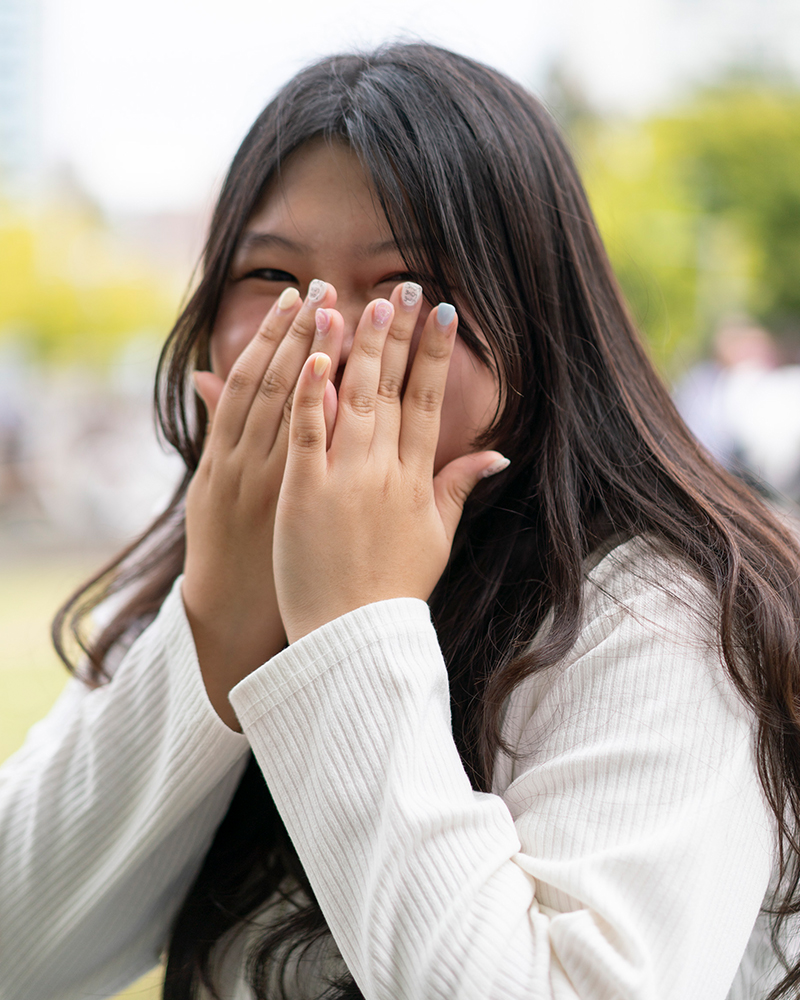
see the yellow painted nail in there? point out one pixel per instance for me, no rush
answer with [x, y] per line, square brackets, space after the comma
[288, 298]
[320, 365]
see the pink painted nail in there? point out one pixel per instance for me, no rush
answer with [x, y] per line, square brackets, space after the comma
[382, 312]
[323, 321]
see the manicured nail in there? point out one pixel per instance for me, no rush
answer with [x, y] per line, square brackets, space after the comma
[288, 297]
[411, 294]
[323, 321]
[444, 314]
[316, 290]
[382, 312]
[321, 362]
[495, 467]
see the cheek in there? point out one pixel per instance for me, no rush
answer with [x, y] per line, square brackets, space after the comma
[238, 319]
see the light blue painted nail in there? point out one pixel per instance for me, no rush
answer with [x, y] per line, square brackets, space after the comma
[445, 313]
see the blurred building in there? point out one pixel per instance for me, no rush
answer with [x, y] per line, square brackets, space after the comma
[20, 92]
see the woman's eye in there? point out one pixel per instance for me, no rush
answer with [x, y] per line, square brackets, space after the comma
[394, 279]
[271, 274]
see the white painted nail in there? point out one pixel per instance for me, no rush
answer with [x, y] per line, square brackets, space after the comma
[411, 294]
[316, 290]
[444, 314]
[495, 467]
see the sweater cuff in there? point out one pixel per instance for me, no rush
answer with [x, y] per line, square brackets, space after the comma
[302, 663]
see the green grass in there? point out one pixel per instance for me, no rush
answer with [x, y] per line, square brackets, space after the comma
[31, 675]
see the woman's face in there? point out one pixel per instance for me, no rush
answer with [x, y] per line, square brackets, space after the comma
[321, 221]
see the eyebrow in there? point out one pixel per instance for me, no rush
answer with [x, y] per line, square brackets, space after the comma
[252, 240]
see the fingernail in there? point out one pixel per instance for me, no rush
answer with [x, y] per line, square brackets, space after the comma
[444, 314]
[316, 290]
[411, 294]
[323, 321]
[382, 312]
[495, 467]
[321, 362]
[287, 298]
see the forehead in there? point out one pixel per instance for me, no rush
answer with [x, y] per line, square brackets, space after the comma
[321, 188]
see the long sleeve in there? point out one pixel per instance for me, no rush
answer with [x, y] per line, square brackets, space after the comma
[626, 856]
[105, 816]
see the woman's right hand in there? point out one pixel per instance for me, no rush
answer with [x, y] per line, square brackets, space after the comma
[230, 503]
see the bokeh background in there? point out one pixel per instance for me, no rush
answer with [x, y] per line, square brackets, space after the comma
[117, 123]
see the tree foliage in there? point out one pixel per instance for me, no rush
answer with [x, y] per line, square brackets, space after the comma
[700, 210]
[70, 290]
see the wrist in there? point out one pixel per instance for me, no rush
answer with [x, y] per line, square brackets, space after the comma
[229, 649]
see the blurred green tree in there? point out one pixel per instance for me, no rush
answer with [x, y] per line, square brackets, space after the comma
[700, 211]
[71, 290]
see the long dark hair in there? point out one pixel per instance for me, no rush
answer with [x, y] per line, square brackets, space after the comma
[480, 191]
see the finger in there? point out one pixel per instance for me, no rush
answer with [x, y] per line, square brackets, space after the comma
[278, 381]
[328, 336]
[328, 339]
[307, 433]
[422, 400]
[330, 407]
[245, 376]
[208, 387]
[407, 301]
[259, 377]
[453, 485]
[355, 420]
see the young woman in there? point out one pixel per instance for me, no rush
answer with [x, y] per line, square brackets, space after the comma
[377, 713]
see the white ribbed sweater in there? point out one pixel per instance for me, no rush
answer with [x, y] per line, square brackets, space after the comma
[626, 856]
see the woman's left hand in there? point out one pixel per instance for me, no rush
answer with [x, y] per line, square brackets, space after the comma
[366, 519]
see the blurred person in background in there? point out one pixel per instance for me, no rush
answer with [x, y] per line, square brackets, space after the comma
[13, 481]
[745, 408]
[369, 711]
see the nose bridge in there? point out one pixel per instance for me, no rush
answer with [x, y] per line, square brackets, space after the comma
[351, 305]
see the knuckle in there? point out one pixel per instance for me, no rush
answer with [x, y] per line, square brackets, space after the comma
[390, 387]
[268, 335]
[426, 399]
[308, 438]
[361, 403]
[239, 382]
[371, 348]
[304, 325]
[305, 401]
[273, 385]
[400, 333]
[438, 350]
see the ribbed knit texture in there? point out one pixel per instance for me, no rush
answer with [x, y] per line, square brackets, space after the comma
[626, 856]
[106, 814]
